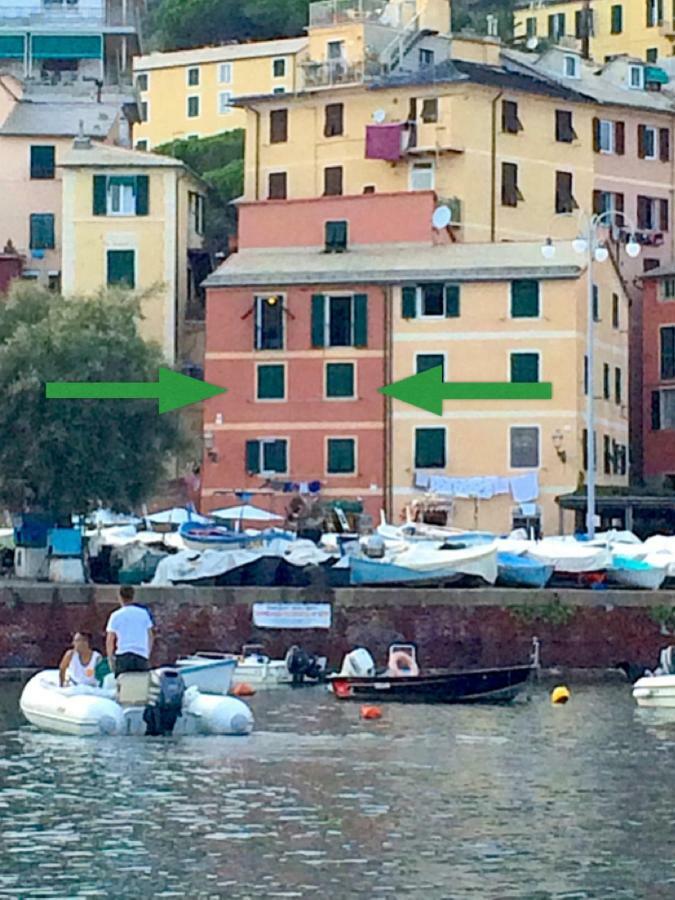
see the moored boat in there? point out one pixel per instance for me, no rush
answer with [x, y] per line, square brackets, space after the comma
[636, 573]
[657, 689]
[210, 676]
[255, 668]
[519, 570]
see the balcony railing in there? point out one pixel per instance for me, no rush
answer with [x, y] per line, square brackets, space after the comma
[334, 12]
[66, 16]
[335, 71]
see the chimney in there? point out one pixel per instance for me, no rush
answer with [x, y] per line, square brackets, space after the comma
[82, 142]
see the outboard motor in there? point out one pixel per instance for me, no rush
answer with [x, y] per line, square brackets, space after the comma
[165, 701]
[358, 664]
[301, 664]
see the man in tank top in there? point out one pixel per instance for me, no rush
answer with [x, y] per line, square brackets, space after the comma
[78, 665]
[129, 635]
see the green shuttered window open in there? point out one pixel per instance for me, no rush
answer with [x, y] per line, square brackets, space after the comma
[265, 456]
[339, 321]
[120, 195]
[431, 300]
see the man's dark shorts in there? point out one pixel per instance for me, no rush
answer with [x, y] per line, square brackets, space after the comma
[130, 662]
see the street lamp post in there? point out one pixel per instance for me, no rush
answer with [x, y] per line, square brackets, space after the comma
[590, 243]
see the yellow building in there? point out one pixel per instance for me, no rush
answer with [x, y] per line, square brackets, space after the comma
[511, 155]
[137, 220]
[516, 317]
[190, 93]
[644, 29]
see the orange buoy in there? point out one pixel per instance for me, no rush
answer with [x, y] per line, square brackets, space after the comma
[243, 690]
[371, 712]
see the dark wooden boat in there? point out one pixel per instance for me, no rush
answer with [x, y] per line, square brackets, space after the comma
[471, 686]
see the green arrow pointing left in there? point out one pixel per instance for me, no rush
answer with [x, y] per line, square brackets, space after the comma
[172, 390]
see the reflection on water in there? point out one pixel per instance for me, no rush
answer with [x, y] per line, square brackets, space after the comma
[530, 801]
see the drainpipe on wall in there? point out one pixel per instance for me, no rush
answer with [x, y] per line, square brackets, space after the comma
[388, 466]
[177, 263]
[493, 169]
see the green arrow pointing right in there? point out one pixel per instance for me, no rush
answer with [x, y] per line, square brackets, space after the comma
[172, 390]
[427, 390]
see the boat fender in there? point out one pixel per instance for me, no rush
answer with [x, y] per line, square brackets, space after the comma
[401, 663]
[243, 690]
[560, 695]
[371, 712]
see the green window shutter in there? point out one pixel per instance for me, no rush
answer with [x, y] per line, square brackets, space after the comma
[426, 361]
[271, 382]
[318, 320]
[409, 302]
[524, 367]
[100, 192]
[430, 448]
[121, 268]
[452, 301]
[524, 299]
[253, 457]
[42, 231]
[274, 456]
[42, 161]
[339, 379]
[361, 320]
[341, 456]
[656, 410]
[142, 195]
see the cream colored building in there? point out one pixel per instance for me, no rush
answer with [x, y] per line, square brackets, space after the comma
[644, 29]
[136, 220]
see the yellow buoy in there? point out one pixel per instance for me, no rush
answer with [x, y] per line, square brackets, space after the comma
[560, 694]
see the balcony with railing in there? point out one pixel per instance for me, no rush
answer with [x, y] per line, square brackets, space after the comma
[336, 12]
[64, 15]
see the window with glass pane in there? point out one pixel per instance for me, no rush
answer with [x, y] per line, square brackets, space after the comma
[271, 382]
[142, 81]
[426, 361]
[422, 177]
[668, 288]
[193, 107]
[42, 161]
[668, 352]
[279, 68]
[341, 456]
[524, 299]
[224, 102]
[430, 448]
[606, 136]
[225, 73]
[432, 299]
[340, 322]
[193, 77]
[668, 410]
[121, 196]
[524, 367]
[269, 323]
[339, 379]
[274, 456]
[524, 447]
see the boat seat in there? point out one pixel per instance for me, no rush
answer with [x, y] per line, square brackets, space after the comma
[133, 688]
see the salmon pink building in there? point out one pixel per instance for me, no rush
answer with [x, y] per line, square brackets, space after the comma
[302, 352]
[658, 350]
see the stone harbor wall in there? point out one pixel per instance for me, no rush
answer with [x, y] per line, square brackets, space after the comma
[458, 628]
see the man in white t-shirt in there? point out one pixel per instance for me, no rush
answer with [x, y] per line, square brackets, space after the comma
[129, 635]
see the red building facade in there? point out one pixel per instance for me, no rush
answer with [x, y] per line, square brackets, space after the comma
[658, 353]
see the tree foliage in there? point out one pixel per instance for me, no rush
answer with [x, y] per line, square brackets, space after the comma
[64, 456]
[177, 24]
[219, 159]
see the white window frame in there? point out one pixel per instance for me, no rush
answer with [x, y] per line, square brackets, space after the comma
[281, 59]
[187, 77]
[652, 13]
[341, 362]
[518, 352]
[655, 142]
[632, 70]
[510, 465]
[145, 75]
[413, 436]
[427, 166]
[442, 353]
[270, 362]
[146, 104]
[261, 455]
[662, 406]
[340, 44]
[326, 319]
[607, 130]
[225, 67]
[341, 437]
[664, 295]
[568, 57]
[196, 97]
[258, 300]
[126, 197]
[224, 109]
[419, 300]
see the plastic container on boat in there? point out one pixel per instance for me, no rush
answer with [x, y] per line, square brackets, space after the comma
[88, 711]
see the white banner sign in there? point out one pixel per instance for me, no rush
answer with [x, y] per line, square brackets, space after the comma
[292, 615]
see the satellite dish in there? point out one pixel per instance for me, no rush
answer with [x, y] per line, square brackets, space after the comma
[379, 116]
[441, 217]
[532, 43]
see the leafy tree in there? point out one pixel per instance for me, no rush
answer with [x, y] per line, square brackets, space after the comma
[177, 24]
[65, 456]
[219, 159]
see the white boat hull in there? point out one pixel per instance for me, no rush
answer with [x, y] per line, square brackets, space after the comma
[656, 691]
[649, 579]
[86, 712]
[258, 672]
[210, 676]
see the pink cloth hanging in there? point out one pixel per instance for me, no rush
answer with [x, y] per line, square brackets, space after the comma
[384, 141]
